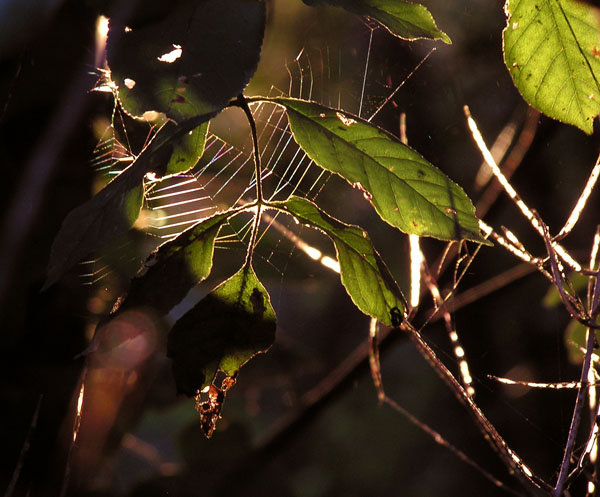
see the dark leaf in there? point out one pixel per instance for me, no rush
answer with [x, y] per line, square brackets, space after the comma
[176, 267]
[192, 61]
[106, 216]
[222, 332]
[114, 210]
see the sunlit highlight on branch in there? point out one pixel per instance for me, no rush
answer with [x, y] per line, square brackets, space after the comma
[78, 412]
[416, 258]
[512, 193]
[579, 206]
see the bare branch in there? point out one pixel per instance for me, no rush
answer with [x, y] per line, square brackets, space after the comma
[580, 205]
[512, 193]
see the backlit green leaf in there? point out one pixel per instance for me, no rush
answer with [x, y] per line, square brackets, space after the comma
[187, 150]
[175, 267]
[409, 21]
[191, 61]
[406, 190]
[364, 274]
[552, 50]
[222, 332]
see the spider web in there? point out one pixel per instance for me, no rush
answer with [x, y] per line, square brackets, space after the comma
[347, 78]
[224, 176]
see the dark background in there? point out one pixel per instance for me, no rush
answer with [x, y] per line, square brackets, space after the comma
[347, 444]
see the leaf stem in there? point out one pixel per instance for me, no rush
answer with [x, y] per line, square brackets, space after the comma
[242, 103]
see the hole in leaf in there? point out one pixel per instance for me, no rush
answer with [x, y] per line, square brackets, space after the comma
[171, 56]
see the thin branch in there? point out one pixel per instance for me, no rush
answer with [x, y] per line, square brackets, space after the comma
[575, 420]
[512, 162]
[440, 440]
[594, 295]
[374, 362]
[521, 254]
[243, 104]
[591, 445]
[580, 205]
[459, 351]
[24, 449]
[355, 364]
[498, 149]
[559, 385]
[512, 193]
[513, 462]
[574, 306]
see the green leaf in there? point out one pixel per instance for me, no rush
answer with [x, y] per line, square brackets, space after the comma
[222, 332]
[187, 150]
[409, 21]
[363, 273]
[406, 190]
[192, 61]
[552, 51]
[113, 211]
[175, 267]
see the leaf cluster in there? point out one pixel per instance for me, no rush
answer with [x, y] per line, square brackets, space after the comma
[182, 64]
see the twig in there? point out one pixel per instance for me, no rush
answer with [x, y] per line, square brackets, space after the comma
[592, 442]
[512, 162]
[513, 462]
[580, 205]
[374, 362]
[440, 440]
[24, 449]
[574, 306]
[459, 351]
[560, 385]
[512, 193]
[594, 296]
[498, 149]
[356, 363]
[243, 104]
[518, 252]
[575, 420]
